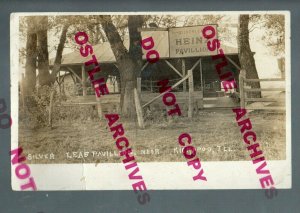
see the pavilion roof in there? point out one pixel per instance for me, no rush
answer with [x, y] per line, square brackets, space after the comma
[105, 54]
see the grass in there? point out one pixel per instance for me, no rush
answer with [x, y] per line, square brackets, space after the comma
[214, 133]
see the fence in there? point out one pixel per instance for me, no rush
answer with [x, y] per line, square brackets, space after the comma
[275, 103]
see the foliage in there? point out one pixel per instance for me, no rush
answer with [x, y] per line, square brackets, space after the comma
[273, 26]
[36, 110]
[35, 114]
[275, 33]
[167, 21]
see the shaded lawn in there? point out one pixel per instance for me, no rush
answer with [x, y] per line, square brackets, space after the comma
[214, 133]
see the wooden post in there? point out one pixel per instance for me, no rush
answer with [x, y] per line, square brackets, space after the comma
[139, 86]
[83, 81]
[99, 107]
[138, 108]
[201, 81]
[115, 80]
[51, 107]
[191, 91]
[183, 73]
[151, 85]
[242, 76]
[201, 75]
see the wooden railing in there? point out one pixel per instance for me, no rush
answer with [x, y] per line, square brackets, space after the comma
[243, 93]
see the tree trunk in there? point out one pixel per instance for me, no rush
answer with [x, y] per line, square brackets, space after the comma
[97, 34]
[128, 83]
[37, 56]
[43, 55]
[59, 51]
[30, 66]
[246, 56]
[128, 106]
[129, 63]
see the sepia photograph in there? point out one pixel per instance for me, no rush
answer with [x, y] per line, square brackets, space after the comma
[170, 87]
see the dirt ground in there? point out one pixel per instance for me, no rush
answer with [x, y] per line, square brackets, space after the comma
[214, 133]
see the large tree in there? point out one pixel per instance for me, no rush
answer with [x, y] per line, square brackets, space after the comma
[59, 51]
[30, 64]
[129, 62]
[37, 53]
[42, 50]
[246, 56]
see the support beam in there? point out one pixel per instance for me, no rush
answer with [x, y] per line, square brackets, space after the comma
[145, 65]
[161, 94]
[191, 91]
[72, 71]
[83, 81]
[233, 63]
[201, 76]
[183, 73]
[202, 83]
[173, 68]
[194, 66]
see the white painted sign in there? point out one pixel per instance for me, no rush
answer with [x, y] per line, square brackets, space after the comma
[188, 42]
[161, 43]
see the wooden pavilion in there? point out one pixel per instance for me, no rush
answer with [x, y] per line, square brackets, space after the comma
[206, 86]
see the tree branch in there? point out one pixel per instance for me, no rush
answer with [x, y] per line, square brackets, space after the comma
[59, 51]
[113, 37]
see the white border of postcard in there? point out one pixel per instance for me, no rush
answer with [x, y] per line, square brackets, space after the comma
[113, 176]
